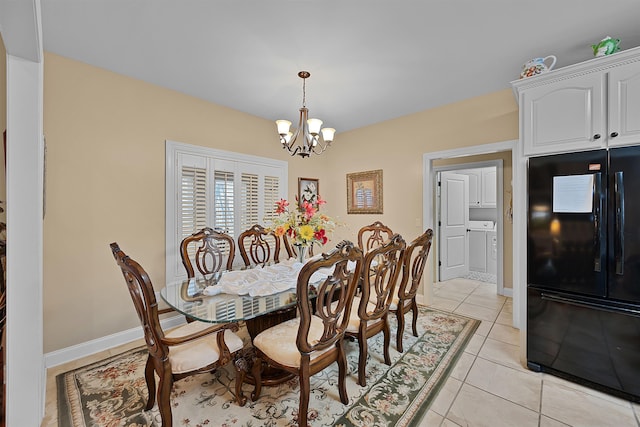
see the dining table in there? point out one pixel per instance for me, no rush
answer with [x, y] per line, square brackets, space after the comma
[261, 297]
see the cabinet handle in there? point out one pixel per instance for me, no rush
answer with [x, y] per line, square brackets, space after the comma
[614, 134]
[596, 136]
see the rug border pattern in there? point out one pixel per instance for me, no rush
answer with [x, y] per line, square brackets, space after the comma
[71, 414]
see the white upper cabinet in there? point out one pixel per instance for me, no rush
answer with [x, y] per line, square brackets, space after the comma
[475, 190]
[564, 116]
[482, 187]
[591, 105]
[489, 188]
[624, 105]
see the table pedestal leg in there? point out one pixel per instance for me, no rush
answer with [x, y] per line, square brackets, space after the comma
[270, 375]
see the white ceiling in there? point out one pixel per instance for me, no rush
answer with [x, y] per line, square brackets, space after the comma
[370, 60]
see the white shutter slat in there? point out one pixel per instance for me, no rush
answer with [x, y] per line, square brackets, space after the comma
[224, 202]
[249, 200]
[271, 196]
[192, 200]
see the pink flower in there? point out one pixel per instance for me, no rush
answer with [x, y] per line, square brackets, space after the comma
[309, 210]
[281, 206]
[321, 201]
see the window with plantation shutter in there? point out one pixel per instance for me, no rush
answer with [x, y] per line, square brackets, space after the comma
[228, 191]
[193, 200]
[271, 195]
[223, 202]
[249, 201]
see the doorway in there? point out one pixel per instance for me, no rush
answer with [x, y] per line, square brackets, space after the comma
[508, 253]
[472, 217]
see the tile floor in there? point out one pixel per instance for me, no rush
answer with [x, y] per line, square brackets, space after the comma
[488, 386]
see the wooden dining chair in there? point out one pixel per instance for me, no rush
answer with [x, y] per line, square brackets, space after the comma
[370, 314]
[211, 251]
[258, 246]
[311, 342]
[190, 349]
[373, 235]
[415, 259]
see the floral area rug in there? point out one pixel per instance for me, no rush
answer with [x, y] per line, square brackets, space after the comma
[112, 392]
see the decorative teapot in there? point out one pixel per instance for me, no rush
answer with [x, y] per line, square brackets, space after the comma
[607, 46]
[537, 66]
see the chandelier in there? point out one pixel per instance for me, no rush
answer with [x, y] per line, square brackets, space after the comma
[313, 138]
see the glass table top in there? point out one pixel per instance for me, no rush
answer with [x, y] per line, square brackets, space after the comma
[187, 298]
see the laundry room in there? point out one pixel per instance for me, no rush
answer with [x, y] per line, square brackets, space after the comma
[473, 211]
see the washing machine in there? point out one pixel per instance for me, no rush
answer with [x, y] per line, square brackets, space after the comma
[492, 252]
[480, 245]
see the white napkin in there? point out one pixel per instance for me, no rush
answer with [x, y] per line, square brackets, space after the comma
[267, 280]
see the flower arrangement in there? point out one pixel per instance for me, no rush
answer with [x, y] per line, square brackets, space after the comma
[304, 225]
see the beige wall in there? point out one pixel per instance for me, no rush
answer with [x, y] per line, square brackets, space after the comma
[105, 182]
[397, 146]
[105, 178]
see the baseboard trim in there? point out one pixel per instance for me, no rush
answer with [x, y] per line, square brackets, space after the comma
[507, 292]
[88, 348]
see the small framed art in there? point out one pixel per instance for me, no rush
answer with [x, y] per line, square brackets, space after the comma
[364, 192]
[308, 190]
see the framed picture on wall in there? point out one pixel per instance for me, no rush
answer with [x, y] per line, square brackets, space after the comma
[364, 192]
[308, 190]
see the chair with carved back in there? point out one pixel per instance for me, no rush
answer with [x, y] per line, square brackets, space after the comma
[190, 349]
[373, 235]
[210, 250]
[370, 314]
[415, 259]
[258, 246]
[311, 342]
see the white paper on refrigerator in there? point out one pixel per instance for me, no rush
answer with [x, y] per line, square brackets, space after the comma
[573, 194]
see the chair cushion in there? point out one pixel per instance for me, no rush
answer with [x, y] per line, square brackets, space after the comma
[201, 352]
[278, 343]
[354, 319]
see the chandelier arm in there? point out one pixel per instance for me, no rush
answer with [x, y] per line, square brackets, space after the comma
[321, 145]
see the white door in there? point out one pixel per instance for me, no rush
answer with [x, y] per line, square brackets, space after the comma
[454, 221]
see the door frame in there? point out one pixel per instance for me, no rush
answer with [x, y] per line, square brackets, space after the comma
[519, 166]
[499, 217]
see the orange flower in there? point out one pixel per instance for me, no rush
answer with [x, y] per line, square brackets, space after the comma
[280, 230]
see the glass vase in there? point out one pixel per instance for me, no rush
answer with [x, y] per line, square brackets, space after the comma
[301, 250]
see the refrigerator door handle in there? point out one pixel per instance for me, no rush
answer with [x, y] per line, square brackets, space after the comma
[597, 222]
[619, 225]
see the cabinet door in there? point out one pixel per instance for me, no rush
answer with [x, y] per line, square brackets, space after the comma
[566, 115]
[624, 105]
[478, 251]
[489, 191]
[475, 190]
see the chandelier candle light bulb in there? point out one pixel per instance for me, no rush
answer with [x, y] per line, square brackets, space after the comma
[315, 139]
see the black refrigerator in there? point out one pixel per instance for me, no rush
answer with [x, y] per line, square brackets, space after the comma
[583, 268]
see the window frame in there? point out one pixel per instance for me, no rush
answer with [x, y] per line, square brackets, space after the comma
[212, 156]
